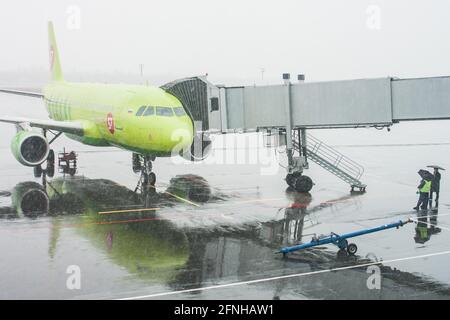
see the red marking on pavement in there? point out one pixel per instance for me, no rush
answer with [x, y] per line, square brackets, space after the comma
[298, 205]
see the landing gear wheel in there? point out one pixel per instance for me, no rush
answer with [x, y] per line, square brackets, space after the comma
[303, 184]
[51, 157]
[50, 170]
[288, 179]
[291, 177]
[152, 179]
[352, 248]
[143, 164]
[37, 170]
[137, 166]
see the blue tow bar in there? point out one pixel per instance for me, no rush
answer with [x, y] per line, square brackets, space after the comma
[341, 240]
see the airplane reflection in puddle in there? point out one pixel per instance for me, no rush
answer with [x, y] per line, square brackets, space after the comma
[149, 247]
[154, 249]
[79, 194]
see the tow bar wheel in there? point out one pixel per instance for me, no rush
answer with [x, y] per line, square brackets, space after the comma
[352, 248]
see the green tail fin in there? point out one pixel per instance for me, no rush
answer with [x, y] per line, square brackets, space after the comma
[55, 64]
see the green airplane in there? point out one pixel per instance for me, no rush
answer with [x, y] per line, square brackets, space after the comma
[146, 120]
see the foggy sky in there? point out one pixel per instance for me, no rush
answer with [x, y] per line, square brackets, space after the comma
[231, 40]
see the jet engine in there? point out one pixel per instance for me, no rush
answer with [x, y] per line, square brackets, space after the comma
[30, 199]
[30, 148]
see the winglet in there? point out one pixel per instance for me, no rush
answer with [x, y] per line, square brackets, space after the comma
[55, 65]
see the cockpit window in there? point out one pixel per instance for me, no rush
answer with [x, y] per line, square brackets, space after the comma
[140, 111]
[179, 111]
[164, 111]
[150, 110]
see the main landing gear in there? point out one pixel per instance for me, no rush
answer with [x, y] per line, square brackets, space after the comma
[49, 169]
[67, 164]
[143, 164]
[299, 182]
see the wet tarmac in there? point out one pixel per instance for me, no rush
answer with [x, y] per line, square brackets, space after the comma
[211, 230]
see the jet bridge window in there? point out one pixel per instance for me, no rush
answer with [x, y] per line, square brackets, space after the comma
[214, 104]
[140, 111]
[150, 111]
[164, 111]
[179, 111]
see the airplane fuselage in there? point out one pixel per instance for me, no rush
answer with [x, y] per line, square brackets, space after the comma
[142, 119]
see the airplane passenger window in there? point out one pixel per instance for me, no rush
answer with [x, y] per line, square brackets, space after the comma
[164, 111]
[140, 111]
[179, 111]
[150, 110]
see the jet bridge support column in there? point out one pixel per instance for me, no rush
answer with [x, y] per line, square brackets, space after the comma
[303, 146]
[288, 112]
[295, 178]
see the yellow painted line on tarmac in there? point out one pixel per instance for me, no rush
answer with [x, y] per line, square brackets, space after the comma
[182, 199]
[179, 198]
[128, 210]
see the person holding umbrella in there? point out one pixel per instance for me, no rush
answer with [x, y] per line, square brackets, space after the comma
[436, 184]
[424, 189]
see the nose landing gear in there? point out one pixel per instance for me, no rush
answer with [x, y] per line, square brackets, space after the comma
[143, 164]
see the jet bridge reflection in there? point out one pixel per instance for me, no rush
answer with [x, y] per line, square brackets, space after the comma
[243, 255]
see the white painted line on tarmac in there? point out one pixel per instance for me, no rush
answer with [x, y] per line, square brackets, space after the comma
[430, 224]
[234, 284]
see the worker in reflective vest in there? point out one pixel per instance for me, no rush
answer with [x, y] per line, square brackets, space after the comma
[424, 192]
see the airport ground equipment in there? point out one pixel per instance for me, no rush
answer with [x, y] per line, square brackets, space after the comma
[290, 109]
[341, 240]
[67, 162]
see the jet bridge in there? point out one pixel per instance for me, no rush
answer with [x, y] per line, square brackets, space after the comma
[289, 109]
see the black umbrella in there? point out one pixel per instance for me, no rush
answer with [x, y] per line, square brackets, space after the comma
[425, 174]
[435, 167]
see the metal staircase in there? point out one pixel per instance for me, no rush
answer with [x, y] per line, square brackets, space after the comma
[332, 160]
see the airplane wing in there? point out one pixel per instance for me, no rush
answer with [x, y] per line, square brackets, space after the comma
[23, 93]
[72, 127]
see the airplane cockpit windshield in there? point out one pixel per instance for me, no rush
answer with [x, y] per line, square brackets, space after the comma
[160, 111]
[164, 111]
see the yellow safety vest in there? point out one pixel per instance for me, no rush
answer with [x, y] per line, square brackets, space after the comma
[426, 187]
[423, 232]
